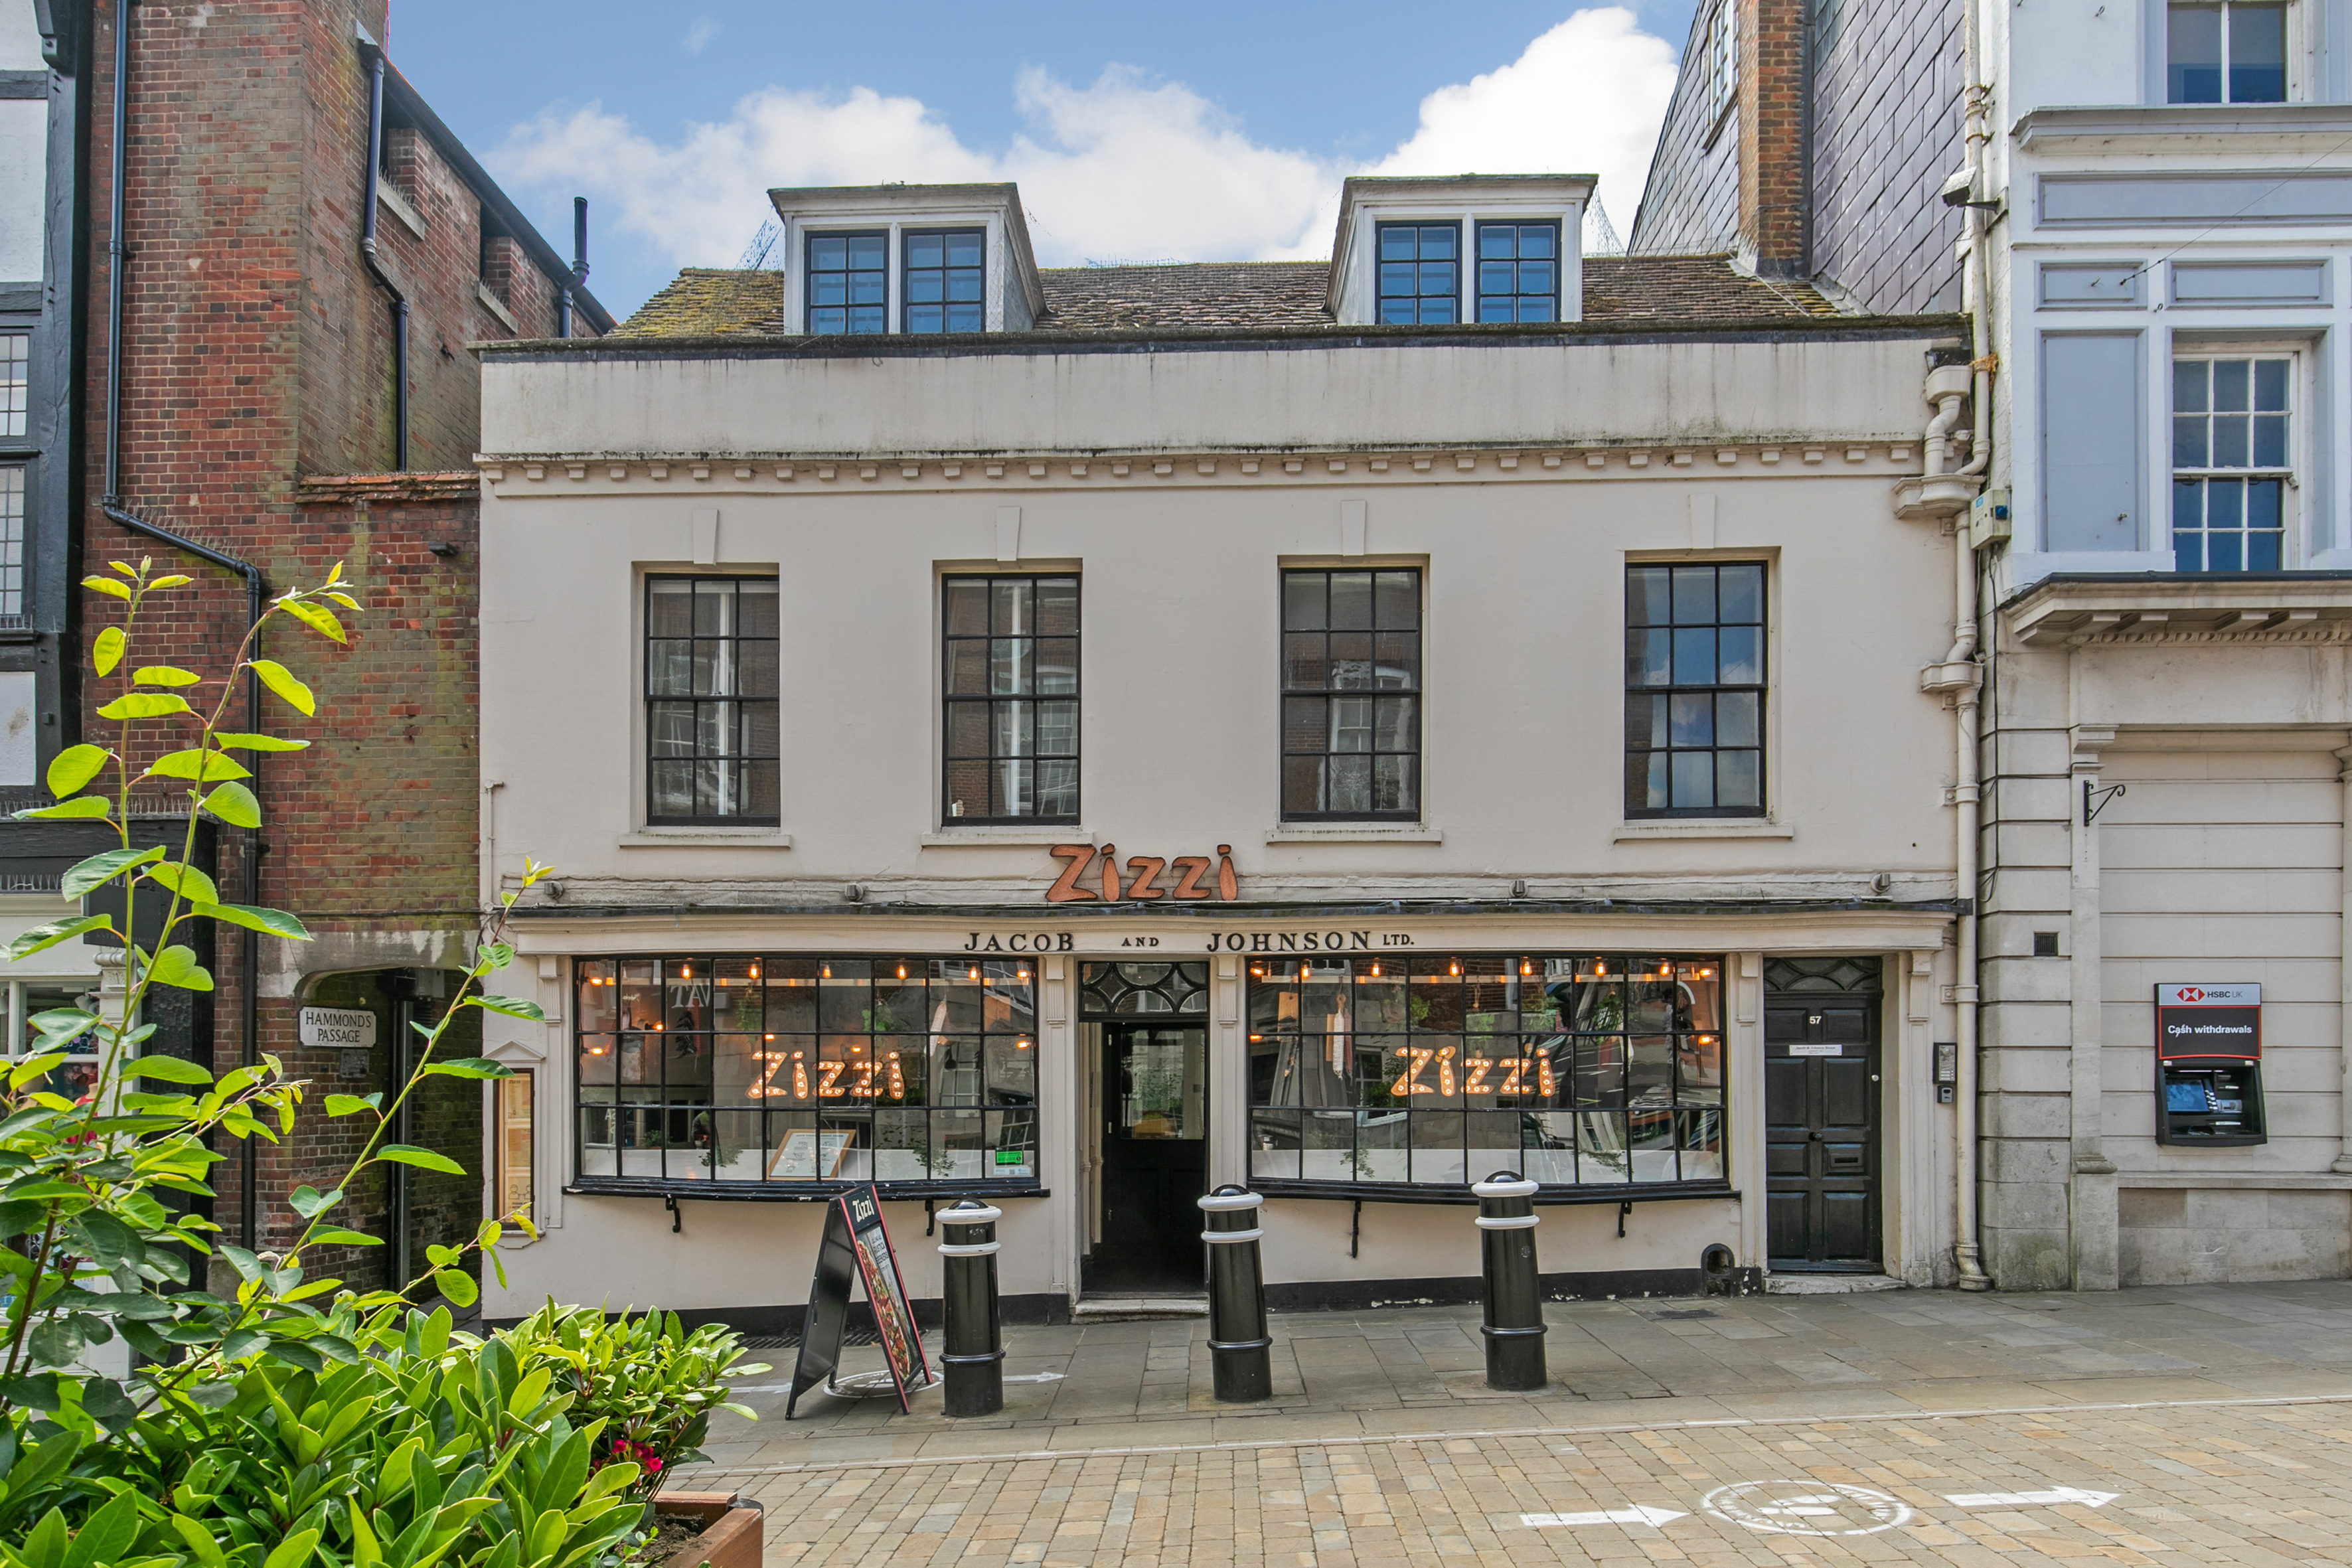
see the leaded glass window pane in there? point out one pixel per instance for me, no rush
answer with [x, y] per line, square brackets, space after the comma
[1352, 704]
[1593, 1069]
[2231, 462]
[1518, 272]
[1420, 273]
[1694, 679]
[15, 382]
[847, 283]
[713, 736]
[730, 1068]
[1010, 652]
[946, 280]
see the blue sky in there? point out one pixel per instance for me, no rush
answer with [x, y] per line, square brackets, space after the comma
[1215, 129]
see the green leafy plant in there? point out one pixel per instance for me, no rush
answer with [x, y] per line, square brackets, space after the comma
[432, 1447]
[650, 1381]
[93, 1189]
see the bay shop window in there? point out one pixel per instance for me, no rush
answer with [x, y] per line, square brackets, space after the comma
[793, 1072]
[1586, 1071]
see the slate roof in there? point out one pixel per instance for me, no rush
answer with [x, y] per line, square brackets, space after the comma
[1249, 296]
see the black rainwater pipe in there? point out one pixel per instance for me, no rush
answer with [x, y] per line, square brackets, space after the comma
[367, 253]
[255, 588]
[579, 267]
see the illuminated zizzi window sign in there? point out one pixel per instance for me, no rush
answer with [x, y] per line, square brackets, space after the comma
[736, 1068]
[1576, 1070]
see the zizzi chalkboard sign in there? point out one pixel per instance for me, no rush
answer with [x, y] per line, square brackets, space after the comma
[854, 1242]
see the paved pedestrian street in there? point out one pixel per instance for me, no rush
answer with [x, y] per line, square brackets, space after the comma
[2244, 1483]
[2205, 1424]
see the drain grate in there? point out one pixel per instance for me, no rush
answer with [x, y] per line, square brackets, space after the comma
[792, 1341]
[1687, 1312]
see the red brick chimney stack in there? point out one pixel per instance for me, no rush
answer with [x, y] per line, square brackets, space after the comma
[1773, 195]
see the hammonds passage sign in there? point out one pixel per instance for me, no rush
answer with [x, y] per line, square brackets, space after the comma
[2194, 1020]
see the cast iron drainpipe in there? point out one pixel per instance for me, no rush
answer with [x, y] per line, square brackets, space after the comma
[255, 588]
[367, 254]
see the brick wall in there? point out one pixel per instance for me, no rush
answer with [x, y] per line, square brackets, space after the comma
[1772, 185]
[257, 352]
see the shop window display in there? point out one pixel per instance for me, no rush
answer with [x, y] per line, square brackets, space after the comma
[1583, 1071]
[758, 1069]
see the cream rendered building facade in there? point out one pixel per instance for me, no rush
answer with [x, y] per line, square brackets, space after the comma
[1230, 952]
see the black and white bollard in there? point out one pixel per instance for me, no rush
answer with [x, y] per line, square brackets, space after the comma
[975, 1356]
[1514, 1326]
[1243, 1373]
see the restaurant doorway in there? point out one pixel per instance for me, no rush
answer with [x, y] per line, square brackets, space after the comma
[1151, 1127]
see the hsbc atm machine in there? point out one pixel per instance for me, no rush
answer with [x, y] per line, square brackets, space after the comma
[2209, 1066]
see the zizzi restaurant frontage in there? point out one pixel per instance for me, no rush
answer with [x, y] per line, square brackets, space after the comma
[1702, 1096]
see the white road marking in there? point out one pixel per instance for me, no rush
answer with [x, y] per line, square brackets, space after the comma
[1806, 1507]
[1640, 1514]
[2031, 1499]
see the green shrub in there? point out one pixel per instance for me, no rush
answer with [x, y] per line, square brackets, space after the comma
[435, 1448]
[651, 1382]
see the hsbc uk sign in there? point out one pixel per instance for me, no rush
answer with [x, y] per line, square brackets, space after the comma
[2209, 1020]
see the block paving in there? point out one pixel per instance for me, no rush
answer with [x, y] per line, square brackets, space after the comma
[2217, 1417]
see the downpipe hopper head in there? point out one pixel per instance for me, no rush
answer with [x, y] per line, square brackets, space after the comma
[1936, 496]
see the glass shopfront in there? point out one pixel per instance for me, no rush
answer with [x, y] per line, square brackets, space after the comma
[1587, 1071]
[800, 1071]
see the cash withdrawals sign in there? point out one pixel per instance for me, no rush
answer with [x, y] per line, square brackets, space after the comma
[2199, 1020]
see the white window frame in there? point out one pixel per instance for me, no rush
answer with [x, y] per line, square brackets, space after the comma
[1721, 64]
[996, 264]
[2294, 549]
[2294, 42]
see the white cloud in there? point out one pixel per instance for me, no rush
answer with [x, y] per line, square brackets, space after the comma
[1122, 168]
[702, 33]
[1586, 98]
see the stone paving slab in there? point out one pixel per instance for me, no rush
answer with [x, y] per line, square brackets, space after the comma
[1421, 1368]
[2241, 1484]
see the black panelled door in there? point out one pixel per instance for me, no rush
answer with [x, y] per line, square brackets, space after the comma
[1820, 1132]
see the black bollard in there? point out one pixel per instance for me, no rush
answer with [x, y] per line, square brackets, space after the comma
[1238, 1341]
[1514, 1326]
[975, 1356]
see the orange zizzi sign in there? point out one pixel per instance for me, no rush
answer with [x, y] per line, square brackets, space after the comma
[1090, 876]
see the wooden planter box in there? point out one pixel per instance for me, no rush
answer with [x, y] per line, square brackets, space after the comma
[730, 1534]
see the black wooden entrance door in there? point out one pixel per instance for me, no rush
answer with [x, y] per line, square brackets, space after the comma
[1821, 1133]
[1155, 1158]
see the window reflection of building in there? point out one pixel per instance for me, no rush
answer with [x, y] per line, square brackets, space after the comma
[763, 1069]
[1437, 1070]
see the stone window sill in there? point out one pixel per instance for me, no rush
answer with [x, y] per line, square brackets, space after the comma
[398, 204]
[1704, 827]
[706, 838]
[1006, 838]
[497, 307]
[1356, 832]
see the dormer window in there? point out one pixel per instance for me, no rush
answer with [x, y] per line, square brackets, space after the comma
[946, 281]
[1518, 272]
[1434, 251]
[848, 283]
[1420, 273]
[912, 260]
